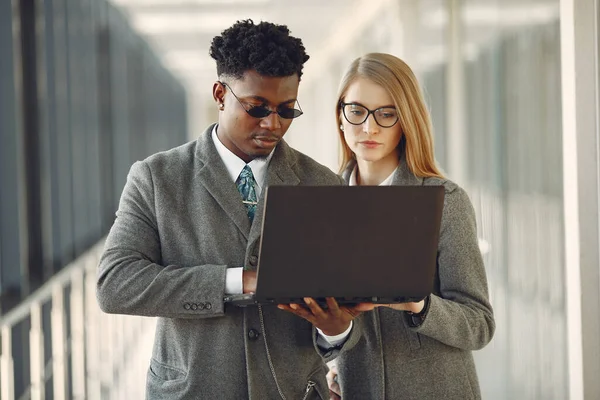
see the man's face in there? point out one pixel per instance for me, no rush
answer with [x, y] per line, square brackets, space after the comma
[246, 136]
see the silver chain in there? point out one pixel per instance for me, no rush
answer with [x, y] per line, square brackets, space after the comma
[262, 326]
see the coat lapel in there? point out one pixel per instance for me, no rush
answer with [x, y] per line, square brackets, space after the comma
[403, 175]
[215, 178]
[348, 171]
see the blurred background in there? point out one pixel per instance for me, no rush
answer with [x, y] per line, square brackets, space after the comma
[87, 87]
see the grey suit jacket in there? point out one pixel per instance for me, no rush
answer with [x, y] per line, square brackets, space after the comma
[180, 225]
[395, 361]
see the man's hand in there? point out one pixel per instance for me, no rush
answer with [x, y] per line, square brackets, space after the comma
[412, 307]
[332, 321]
[249, 281]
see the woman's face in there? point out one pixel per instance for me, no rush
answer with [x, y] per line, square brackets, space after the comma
[369, 140]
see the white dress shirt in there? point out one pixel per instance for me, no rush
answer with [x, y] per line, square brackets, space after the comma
[234, 283]
[386, 182]
[235, 165]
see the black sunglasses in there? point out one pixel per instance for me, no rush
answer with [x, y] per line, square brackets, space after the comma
[263, 111]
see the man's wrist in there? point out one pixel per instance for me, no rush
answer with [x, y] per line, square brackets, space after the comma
[335, 340]
[329, 334]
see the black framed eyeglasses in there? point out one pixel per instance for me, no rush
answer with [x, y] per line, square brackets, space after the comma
[356, 114]
[263, 111]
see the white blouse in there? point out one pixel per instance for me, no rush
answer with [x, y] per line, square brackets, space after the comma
[386, 182]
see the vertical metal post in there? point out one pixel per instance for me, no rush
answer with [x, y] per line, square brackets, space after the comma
[93, 345]
[59, 367]
[36, 343]
[7, 373]
[108, 351]
[581, 171]
[78, 333]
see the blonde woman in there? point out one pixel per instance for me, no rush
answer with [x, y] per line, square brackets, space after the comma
[412, 350]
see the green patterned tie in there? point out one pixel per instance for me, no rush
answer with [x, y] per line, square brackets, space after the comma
[247, 187]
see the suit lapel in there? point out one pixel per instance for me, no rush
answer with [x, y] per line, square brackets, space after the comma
[214, 176]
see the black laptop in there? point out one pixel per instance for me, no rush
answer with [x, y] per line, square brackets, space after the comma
[355, 243]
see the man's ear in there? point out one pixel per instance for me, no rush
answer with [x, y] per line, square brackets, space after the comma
[219, 94]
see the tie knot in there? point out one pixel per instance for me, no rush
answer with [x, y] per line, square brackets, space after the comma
[246, 173]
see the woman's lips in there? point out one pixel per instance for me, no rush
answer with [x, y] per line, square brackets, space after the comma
[370, 144]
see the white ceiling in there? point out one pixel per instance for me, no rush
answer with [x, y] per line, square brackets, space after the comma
[181, 30]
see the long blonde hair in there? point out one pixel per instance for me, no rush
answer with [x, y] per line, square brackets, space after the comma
[395, 76]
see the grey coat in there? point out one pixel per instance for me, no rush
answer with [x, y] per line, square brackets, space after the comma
[395, 361]
[180, 225]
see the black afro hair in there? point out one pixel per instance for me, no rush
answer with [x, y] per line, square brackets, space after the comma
[266, 48]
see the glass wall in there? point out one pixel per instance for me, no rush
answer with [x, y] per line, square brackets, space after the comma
[513, 172]
[431, 65]
[509, 100]
[11, 160]
[82, 97]
[96, 99]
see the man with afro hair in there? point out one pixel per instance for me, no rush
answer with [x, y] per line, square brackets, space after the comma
[187, 235]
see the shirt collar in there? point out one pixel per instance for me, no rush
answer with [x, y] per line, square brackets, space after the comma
[234, 164]
[386, 182]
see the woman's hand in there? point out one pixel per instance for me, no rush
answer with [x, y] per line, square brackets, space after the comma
[331, 321]
[335, 393]
[412, 307]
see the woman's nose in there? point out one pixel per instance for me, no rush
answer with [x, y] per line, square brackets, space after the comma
[370, 126]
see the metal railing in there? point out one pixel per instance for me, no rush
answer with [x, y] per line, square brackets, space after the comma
[92, 355]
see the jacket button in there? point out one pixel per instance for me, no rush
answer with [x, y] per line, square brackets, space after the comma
[201, 306]
[194, 306]
[207, 306]
[253, 334]
[187, 306]
[253, 260]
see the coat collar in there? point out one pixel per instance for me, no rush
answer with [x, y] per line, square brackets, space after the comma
[402, 176]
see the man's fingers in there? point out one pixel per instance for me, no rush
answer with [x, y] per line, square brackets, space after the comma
[299, 311]
[333, 306]
[315, 308]
[353, 312]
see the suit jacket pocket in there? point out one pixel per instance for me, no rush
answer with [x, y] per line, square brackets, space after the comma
[165, 372]
[165, 382]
